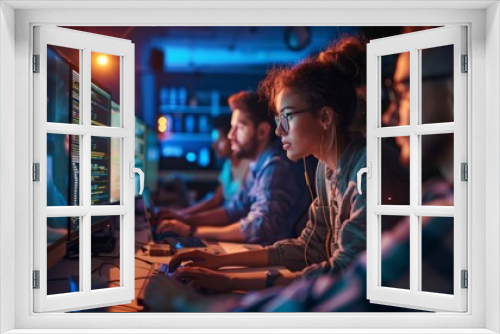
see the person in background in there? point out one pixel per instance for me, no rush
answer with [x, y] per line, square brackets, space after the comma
[231, 177]
[347, 292]
[315, 105]
[274, 197]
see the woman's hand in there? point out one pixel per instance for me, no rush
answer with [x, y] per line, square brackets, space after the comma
[202, 278]
[199, 259]
[175, 226]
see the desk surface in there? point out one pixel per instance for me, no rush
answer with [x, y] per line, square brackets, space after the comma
[109, 273]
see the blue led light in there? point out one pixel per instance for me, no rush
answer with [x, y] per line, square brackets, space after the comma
[215, 134]
[204, 159]
[191, 157]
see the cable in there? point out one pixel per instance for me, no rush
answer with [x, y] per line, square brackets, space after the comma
[333, 213]
[145, 261]
[308, 182]
[315, 223]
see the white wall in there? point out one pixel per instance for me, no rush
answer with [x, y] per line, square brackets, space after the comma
[492, 150]
[7, 185]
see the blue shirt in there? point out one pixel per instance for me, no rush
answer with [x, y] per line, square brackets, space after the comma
[232, 177]
[274, 199]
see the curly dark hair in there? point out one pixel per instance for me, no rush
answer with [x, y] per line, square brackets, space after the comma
[330, 80]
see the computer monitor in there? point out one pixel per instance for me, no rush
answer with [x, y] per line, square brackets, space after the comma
[63, 151]
[100, 157]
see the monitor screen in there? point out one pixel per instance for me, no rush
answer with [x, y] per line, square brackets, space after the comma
[100, 155]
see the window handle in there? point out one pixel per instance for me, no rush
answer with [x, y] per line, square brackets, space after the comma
[368, 171]
[138, 171]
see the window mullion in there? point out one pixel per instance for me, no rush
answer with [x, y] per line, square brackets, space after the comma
[108, 132]
[419, 210]
[414, 168]
[85, 168]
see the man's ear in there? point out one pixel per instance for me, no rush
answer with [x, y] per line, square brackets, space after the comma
[263, 131]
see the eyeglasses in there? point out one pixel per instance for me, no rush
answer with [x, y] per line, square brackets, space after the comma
[284, 118]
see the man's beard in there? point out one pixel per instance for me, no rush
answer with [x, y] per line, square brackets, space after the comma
[249, 151]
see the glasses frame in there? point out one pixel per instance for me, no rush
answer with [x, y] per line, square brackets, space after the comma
[283, 118]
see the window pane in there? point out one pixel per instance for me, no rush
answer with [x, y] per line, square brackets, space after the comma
[437, 84]
[63, 270]
[395, 256]
[437, 169]
[395, 89]
[62, 93]
[437, 254]
[105, 261]
[395, 155]
[100, 170]
[105, 89]
[62, 170]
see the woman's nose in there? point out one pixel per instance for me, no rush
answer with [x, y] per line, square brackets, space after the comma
[280, 132]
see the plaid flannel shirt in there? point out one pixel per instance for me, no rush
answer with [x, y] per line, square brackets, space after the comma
[346, 292]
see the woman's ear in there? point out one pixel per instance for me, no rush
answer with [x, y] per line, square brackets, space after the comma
[327, 117]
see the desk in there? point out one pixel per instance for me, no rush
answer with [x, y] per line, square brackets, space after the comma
[109, 273]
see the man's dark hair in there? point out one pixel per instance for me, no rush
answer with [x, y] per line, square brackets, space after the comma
[253, 104]
[222, 123]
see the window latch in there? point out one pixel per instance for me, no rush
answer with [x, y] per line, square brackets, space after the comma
[368, 171]
[133, 170]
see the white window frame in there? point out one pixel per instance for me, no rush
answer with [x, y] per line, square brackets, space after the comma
[484, 49]
[414, 43]
[85, 43]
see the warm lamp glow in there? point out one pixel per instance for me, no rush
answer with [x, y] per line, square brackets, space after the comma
[102, 60]
[162, 124]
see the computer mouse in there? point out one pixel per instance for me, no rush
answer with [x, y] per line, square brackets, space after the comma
[163, 268]
[172, 270]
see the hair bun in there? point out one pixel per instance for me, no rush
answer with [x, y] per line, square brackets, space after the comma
[349, 57]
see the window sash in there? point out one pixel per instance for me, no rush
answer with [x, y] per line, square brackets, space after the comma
[414, 42]
[86, 43]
